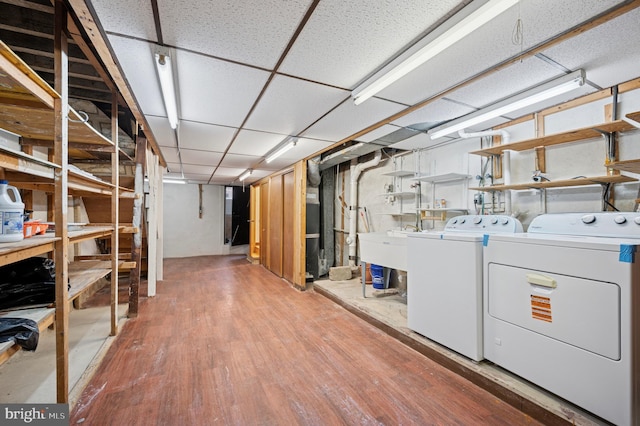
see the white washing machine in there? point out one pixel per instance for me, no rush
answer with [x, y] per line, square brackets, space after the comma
[562, 309]
[444, 281]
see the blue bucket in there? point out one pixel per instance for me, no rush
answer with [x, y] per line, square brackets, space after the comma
[377, 276]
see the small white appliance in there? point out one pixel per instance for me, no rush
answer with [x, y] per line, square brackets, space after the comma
[444, 281]
[562, 309]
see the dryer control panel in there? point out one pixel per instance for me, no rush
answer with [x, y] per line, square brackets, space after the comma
[484, 224]
[600, 224]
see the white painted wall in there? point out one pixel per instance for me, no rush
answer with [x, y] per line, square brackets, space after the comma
[185, 234]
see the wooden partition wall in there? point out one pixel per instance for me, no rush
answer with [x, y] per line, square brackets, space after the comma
[278, 239]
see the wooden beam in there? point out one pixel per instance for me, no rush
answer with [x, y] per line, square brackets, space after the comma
[85, 18]
[136, 243]
[115, 213]
[60, 153]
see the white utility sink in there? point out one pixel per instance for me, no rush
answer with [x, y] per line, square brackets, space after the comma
[384, 248]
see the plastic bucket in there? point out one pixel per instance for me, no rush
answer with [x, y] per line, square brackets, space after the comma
[377, 276]
[11, 213]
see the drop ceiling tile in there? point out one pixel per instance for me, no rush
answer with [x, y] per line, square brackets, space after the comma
[433, 113]
[505, 83]
[252, 32]
[199, 169]
[161, 130]
[235, 160]
[136, 59]
[609, 53]
[419, 141]
[197, 157]
[344, 41]
[170, 154]
[229, 172]
[137, 22]
[377, 133]
[304, 148]
[289, 105]
[491, 45]
[204, 137]
[250, 142]
[349, 119]
[214, 91]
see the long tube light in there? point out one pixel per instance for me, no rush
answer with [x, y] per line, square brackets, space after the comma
[245, 174]
[530, 97]
[286, 147]
[457, 32]
[165, 75]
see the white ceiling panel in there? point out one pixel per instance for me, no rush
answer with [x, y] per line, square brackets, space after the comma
[164, 134]
[136, 59]
[229, 172]
[137, 22]
[290, 105]
[419, 141]
[613, 45]
[252, 32]
[344, 41]
[170, 154]
[214, 91]
[197, 157]
[435, 112]
[304, 148]
[249, 142]
[505, 83]
[205, 137]
[195, 168]
[235, 160]
[349, 118]
[377, 133]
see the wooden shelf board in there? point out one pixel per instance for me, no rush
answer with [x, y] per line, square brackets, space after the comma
[557, 183]
[399, 214]
[585, 133]
[43, 316]
[89, 232]
[29, 247]
[635, 116]
[426, 209]
[84, 273]
[627, 165]
[447, 177]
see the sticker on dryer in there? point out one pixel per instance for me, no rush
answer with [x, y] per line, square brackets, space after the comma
[541, 308]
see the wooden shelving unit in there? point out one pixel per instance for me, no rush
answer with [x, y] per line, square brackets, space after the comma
[557, 183]
[29, 108]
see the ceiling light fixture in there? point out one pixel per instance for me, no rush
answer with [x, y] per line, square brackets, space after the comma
[527, 98]
[178, 181]
[435, 43]
[165, 75]
[246, 174]
[284, 148]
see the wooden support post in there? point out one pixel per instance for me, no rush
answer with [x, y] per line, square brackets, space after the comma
[60, 154]
[541, 159]
[136, 244]
[115, 208]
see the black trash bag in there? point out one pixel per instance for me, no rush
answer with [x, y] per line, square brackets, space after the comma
[29, 294]
[22, 331]
[32, 270]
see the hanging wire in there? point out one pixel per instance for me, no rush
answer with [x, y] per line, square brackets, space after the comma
[517, 36]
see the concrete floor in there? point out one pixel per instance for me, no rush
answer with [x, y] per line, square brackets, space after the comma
[389, 312]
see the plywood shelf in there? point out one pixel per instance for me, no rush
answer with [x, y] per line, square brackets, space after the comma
[20, 250]
[632, 166]
[84, 273]
[557, 183]
[43, 316]
[585, 133]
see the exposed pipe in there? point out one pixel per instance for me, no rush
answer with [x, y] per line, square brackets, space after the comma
[506, 159]
[355, 171]
[313, 172]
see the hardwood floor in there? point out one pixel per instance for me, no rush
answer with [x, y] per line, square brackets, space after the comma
[227, 342]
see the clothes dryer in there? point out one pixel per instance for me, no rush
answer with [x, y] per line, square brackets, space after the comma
[562, 309]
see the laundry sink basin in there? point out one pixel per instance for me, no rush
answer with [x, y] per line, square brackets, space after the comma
[384, 248]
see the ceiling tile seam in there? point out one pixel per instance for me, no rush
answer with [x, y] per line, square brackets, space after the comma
[287, 48]
[156, 21]
[606, 16]
[559, 66]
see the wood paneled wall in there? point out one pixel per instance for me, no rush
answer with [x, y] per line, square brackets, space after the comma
[281, 215]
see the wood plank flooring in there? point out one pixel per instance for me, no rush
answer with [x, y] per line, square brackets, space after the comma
[226, 342]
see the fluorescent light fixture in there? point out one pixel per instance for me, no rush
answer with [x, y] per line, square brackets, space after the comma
[165, 74]
[286, 147]
[530, 97]
[457, 32]
[178, 181]
[245, 174]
